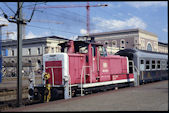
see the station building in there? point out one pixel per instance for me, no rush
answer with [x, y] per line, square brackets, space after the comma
[130, 38]
[32, 50]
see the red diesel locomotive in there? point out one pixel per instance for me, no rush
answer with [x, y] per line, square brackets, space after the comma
[82, 67]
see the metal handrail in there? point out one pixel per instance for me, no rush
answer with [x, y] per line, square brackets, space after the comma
[70, 90]
[85, 77]
[53, 72]
[137, 71]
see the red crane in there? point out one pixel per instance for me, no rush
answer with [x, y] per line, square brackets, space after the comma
[74, 6]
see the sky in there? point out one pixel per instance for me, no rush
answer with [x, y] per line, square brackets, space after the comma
[49, 20]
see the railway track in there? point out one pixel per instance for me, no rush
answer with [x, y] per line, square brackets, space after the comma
[8, 97]
[8, 92]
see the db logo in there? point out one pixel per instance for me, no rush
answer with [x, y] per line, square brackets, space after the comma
[105, 65]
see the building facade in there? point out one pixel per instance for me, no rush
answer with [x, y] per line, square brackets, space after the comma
[32, 51]
[130, 38]
[162, 47]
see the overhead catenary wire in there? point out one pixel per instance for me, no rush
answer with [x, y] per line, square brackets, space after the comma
[60, 30]
[52, 29]
[71, 21]
[9, 7]
[37, 3]
[47, 21]
[64, 17]
[75, 6]
[67, 21]
[68, 18]
[18, 10]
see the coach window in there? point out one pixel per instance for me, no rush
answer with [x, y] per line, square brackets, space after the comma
[147, 64]
[158, 64]
[153, 66]
[142, 66]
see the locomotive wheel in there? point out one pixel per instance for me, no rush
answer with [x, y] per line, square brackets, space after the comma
[54, 94]
[86, 92]
[74, 92]
[41, 98]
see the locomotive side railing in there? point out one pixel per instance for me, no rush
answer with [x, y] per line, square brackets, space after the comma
[70, 90]
[138, 80]
[135, 71]
[84, 75]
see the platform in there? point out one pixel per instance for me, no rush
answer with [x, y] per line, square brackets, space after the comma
[148, 97]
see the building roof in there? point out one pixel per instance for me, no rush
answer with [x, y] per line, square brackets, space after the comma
[122, 31]
[49, 37]
[32, 40]
[161, 43]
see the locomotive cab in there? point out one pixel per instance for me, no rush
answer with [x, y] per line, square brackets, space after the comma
[82, 47]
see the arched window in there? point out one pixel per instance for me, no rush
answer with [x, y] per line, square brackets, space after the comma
[52, 50]
[149, 47]
[46, 49]
[106, 42]
[122, 43]
[114, 43]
